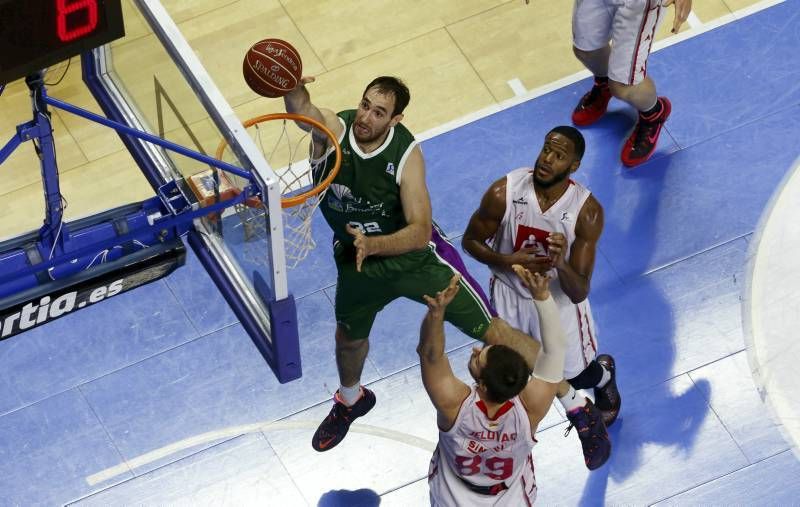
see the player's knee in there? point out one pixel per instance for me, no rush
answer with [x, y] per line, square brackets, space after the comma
[498, 331]
[580, 54]
[494, 331]
[344, 340]
[619, 90]
[588, 56]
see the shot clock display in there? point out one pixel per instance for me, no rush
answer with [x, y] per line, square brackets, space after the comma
[35, 34]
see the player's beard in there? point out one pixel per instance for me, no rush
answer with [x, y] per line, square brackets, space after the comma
[369, 138]
[555, 180]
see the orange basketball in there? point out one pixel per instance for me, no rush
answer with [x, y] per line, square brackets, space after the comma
[272, 67]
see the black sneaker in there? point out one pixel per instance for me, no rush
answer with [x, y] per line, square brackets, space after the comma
[641, 144]
[334, 428]
[607, 398]
[593, 434]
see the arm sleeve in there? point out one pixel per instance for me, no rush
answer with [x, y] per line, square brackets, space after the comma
[550, 361]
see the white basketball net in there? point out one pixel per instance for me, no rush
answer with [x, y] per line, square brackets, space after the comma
[288, 156]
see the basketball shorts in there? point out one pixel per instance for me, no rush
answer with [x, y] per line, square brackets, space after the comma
[576, 320]
[630, 26]
[360, 296]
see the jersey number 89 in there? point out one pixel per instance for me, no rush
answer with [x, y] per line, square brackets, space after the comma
[495, 468]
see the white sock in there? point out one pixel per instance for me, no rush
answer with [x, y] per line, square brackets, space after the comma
[605, 379]
[350, 395]
[571, 400]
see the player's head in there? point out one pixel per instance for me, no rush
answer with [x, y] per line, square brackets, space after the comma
[560, 156]
[381, 108]
[499, 370]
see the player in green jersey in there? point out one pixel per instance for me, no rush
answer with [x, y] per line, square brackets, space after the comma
[385, 242]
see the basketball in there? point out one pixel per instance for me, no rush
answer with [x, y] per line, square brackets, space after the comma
[272, 68]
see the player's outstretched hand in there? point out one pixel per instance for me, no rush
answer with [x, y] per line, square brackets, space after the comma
[300, 89]
[361, 244]
[682, 10]
[443, 298]
[537, 283]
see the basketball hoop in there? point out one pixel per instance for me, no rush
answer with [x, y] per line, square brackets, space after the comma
[303, 181]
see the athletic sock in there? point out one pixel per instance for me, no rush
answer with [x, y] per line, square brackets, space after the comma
[652, 113]
[350, 395]
[571, 400]
[589, 377]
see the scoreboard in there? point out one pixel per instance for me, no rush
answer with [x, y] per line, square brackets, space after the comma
[35, 34]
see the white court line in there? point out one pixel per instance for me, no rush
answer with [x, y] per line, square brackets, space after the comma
[568, 80]
[693, 21]
[517, 87]
[235, 431]
[769, 308]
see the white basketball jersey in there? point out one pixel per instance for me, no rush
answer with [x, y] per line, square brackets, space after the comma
[525, 225]
[484, 452]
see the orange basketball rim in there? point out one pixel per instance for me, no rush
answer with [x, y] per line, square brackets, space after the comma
[295, 200]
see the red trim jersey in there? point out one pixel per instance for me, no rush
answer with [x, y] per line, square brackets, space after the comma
[524, 225]
[485, 452]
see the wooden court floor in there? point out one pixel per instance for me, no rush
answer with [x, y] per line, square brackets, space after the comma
[457, 56]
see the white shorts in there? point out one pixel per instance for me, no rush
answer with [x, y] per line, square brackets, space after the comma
[576, 320]
[447, 490]
[630, 26]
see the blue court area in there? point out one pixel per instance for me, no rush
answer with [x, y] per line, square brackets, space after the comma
[158, 396]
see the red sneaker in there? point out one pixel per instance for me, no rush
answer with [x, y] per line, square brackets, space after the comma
[592, 106]
[642, 142]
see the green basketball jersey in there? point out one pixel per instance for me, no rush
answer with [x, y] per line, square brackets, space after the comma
[366, 192]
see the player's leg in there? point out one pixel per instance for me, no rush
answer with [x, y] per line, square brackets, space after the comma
[600, 376]
[358, 300]
[351, 355]
[470, 310]
[633, 31]
[591, 34]
[588, 371]
[582, 414]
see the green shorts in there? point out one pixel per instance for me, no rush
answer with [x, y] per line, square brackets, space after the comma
[360, 296]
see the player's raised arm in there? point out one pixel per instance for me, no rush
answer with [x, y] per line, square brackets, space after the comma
[299, 101]
[444, 389]
[549, 368]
